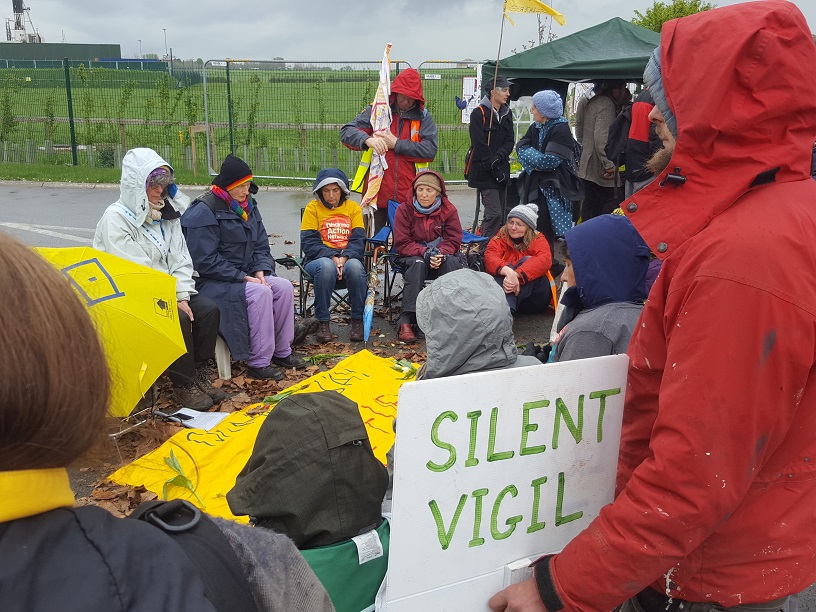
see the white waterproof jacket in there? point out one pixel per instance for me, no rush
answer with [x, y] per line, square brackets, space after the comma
[126, 229]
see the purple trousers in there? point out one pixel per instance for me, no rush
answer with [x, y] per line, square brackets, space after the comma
[271, 318]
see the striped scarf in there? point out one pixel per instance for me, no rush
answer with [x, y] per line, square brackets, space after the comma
[242, 210]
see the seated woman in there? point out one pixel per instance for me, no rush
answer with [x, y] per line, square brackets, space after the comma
[52, 408]
[427, 238]
[606, 266]
[143, 226]
[333, 241]
[230, 250]
[519, 257]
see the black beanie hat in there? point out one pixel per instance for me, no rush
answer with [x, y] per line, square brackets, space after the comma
[234, 171]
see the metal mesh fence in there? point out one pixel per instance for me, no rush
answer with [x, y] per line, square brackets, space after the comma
[282, 117]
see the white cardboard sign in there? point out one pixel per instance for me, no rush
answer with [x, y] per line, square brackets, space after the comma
[496, 466]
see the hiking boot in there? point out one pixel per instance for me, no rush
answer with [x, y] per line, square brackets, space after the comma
[324, 333]
[303, 328]
[406, 333]
[190, 396]
[292, 361]
[266, 373]
[203, 381]
[357, 334]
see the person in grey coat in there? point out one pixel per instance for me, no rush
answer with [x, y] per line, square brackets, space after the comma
[606, 272]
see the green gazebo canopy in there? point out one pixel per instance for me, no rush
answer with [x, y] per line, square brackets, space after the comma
[613, 50]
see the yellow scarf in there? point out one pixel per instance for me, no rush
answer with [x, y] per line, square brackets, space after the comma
[29, 492]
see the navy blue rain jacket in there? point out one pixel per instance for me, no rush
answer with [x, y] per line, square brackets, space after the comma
[225, 249]
[610, 260]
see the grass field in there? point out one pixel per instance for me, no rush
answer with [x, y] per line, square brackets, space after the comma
[285, 122]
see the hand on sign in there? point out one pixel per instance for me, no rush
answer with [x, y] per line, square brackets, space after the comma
[521, 597]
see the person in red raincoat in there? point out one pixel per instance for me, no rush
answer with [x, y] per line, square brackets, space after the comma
[412, 141]
[716, 484]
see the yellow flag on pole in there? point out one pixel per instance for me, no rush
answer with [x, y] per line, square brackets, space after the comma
[532, 6]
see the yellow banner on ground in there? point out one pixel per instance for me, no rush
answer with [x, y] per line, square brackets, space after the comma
[212, 459]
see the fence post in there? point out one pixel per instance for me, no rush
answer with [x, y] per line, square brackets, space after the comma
[229, 110]
[70, 112]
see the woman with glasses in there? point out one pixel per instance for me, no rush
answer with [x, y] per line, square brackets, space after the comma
[518, 257]
[143, 226]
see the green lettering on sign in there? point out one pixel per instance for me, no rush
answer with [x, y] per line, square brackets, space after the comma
[535, 524]
[491, 441]
[527, 427]
[435, 467]
[560, 519]
[477, 540]
[474, 421]
[445, 536]
[561, 410]
[602, 395]
[494, 517]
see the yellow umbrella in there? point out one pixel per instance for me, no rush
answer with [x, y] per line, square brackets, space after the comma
[134, 309]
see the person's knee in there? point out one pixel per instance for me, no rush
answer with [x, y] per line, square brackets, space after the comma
[354, 270]
[324, 271]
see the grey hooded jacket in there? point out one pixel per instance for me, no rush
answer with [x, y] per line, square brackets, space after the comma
[467, 326]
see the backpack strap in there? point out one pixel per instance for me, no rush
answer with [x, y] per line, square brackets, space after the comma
[208, 549]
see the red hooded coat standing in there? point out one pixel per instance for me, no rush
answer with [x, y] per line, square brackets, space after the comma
[716, 492]
[417, 137]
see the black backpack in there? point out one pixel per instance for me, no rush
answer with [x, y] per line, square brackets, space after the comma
[618, 137]
[208, 549]
[312, 474]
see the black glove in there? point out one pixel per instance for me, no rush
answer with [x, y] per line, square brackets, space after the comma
[498, 168]
[544, 354]
[531, 349]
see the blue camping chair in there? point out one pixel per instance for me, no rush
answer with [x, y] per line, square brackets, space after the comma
[384, 241]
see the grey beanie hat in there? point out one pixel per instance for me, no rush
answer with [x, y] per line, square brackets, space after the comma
[526, 212]
[549, 104]
[653, 79]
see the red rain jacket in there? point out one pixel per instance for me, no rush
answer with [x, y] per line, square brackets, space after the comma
[716, 492]
[417, 138]
[501, 251]
[413, 228]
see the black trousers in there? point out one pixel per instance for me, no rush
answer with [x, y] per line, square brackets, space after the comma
[416, 272]
[199, 338]
[599, 200]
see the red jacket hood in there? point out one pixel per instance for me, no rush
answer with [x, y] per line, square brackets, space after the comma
[408, 83]
[739, 81]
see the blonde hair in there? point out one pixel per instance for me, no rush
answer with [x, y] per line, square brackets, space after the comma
[529, 235]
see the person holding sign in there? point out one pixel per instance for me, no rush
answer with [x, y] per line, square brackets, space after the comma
[333, 241]
[716, 482]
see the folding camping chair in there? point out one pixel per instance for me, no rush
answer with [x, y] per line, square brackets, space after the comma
[381, 241]
[306, 281]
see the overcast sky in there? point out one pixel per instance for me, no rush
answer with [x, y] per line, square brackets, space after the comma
[317, 29]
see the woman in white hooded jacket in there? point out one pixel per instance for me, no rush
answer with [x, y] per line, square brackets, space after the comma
[143, 226]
